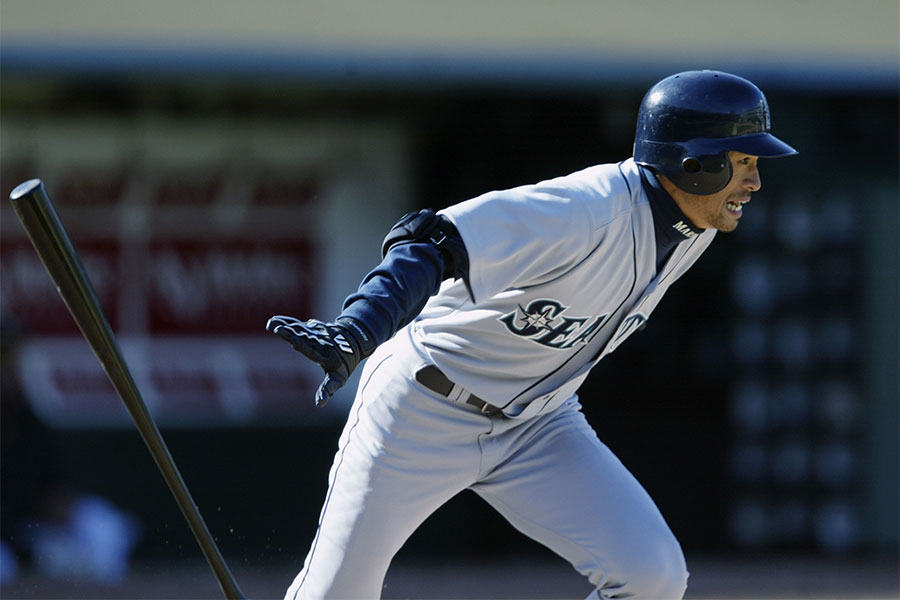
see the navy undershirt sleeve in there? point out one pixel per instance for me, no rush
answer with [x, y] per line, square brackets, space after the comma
[396, 291]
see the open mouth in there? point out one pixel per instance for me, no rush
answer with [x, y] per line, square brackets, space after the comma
[735, 206]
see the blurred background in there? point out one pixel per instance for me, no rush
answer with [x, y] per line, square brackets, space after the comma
[216, 163]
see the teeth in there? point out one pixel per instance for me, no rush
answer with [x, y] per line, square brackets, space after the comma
[733, 205]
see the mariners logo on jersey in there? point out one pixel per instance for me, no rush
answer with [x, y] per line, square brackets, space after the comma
[684, 230]
[543, 322]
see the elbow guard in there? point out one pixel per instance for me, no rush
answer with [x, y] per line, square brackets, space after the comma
[425, 226]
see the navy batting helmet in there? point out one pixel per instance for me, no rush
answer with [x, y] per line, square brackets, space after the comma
[688, 122]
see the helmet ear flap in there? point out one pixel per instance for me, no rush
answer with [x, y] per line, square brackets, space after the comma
[704, 175]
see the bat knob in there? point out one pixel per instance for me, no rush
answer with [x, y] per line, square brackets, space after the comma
[26, 188]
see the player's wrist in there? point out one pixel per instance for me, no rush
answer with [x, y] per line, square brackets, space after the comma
[360, 337]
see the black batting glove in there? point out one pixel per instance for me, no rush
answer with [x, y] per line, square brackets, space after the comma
[334, 346]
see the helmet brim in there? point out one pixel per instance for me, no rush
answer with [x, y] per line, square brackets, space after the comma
[764, 145]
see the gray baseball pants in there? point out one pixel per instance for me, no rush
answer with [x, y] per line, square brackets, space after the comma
[405, 450]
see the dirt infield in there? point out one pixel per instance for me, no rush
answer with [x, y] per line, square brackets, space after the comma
[773, 578]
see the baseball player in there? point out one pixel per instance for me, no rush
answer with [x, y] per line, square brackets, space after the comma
[483, 320]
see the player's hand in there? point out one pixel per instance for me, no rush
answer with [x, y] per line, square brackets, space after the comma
[331, 345]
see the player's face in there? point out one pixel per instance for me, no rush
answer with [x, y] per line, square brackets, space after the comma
[723, 209]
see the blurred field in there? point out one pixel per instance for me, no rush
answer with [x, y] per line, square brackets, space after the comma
[774, 578]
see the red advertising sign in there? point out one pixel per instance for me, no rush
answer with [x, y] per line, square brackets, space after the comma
[193, 236]
[227, 287]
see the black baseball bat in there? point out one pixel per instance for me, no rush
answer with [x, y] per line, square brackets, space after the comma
[49, 238]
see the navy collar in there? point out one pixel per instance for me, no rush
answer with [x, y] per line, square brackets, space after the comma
[670, 224]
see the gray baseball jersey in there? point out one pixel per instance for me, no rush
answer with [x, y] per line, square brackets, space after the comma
[562, 272]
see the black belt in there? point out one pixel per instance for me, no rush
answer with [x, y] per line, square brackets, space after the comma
[432, 378]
